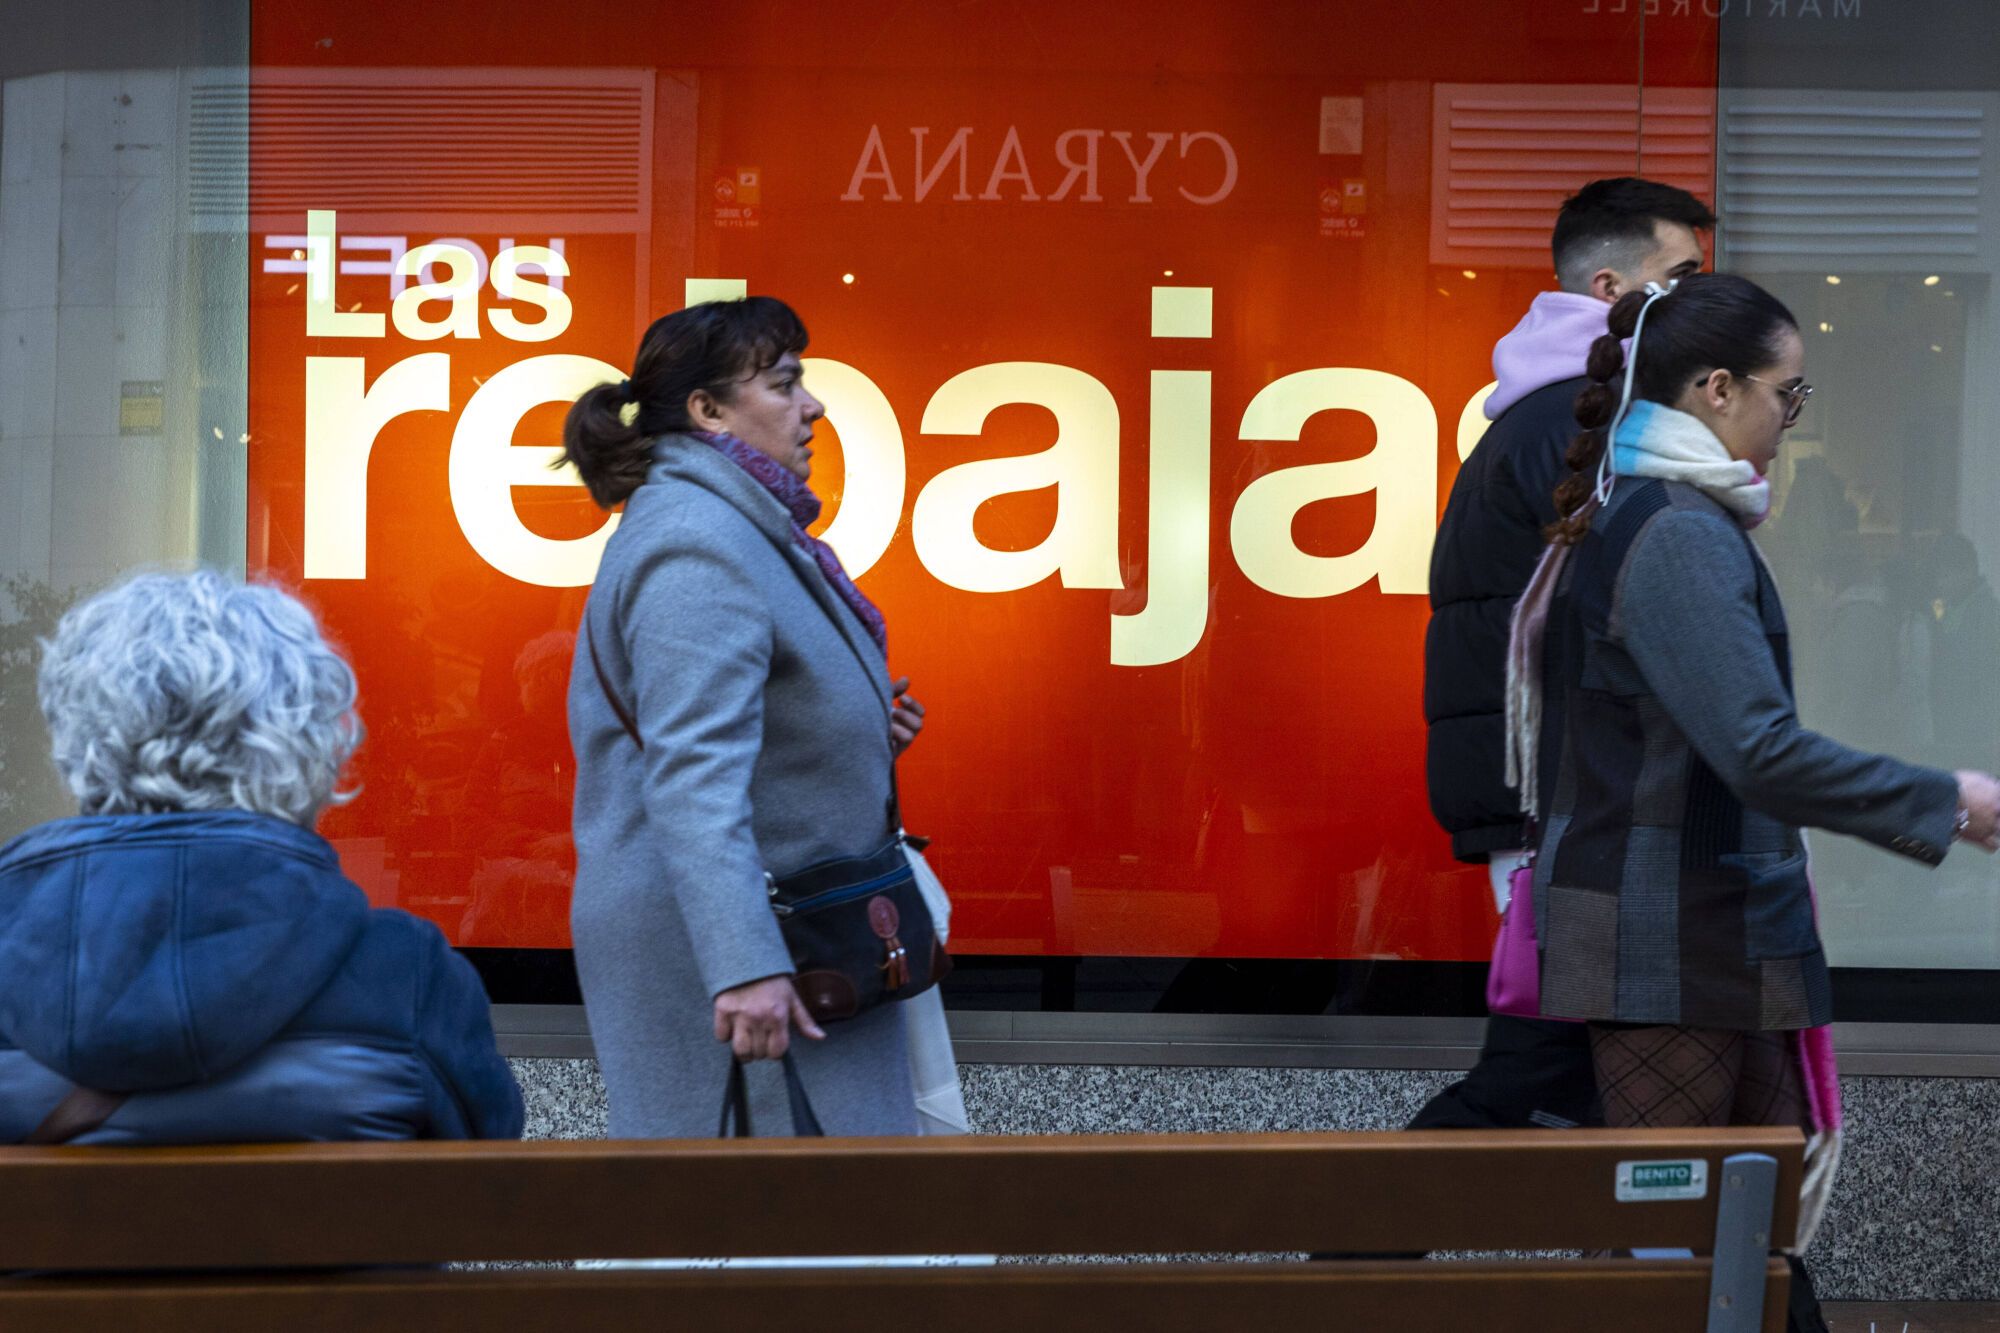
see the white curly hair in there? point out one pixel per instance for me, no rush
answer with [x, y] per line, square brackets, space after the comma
[194, 691]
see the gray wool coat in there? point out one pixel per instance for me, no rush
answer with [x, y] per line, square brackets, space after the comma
[764, 704]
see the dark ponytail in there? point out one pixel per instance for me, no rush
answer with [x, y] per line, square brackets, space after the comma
[1709, 321]
[713, 346]
[611, 456]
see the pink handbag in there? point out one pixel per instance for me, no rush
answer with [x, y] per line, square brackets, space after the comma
[1514, 982]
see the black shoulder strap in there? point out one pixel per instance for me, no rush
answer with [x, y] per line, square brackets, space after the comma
[83, 1110]
[618, 709]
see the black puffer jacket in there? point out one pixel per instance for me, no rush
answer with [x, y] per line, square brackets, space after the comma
[1487, 547]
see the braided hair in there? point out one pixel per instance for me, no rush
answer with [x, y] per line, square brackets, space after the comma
[1703, 323]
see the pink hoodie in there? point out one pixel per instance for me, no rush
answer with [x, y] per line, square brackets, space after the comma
[1549, 345]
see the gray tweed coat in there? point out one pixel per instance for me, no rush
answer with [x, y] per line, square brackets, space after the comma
[1671, 882]
[765, 708]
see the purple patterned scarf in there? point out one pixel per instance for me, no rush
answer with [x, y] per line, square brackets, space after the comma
[800, 502]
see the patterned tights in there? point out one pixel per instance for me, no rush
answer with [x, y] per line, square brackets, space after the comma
[1676, 1077]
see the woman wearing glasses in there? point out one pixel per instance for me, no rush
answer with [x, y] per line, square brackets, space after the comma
[1653, 733]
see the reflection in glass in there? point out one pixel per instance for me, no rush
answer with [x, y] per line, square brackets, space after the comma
[1855, 184]
[123, 376]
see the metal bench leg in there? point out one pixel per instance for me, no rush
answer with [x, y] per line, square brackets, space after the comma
[1742, 1243]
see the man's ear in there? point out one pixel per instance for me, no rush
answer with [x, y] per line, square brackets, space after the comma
[1606, 285]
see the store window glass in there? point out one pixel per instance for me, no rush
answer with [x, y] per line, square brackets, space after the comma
[1151, 339]
[124, 417]
[1856, 168]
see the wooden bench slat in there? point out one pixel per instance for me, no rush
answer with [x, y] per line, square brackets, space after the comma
[1649, 1296]
[355, 1204]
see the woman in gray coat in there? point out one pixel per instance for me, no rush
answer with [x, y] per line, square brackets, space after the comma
[756, 675]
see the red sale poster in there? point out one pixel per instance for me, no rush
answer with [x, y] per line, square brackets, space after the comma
[1150, 337]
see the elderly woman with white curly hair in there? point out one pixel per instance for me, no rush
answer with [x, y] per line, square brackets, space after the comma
[184, 962]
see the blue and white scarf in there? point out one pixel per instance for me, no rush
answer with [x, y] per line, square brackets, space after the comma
[1655, 440]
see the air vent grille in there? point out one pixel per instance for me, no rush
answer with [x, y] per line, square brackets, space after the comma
[1505, 156]
[475, 150]
[1817, 178]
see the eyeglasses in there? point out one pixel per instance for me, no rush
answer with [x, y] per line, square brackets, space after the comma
[1795, 397]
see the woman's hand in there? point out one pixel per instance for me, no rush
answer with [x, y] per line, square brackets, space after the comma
[757, 1018]
[906, 716]
[1979, 798]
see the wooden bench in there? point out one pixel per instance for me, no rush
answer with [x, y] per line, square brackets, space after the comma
[279, 1209]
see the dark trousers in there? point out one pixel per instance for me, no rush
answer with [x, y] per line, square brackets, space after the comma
[1530, 1074]
[1535, 1073]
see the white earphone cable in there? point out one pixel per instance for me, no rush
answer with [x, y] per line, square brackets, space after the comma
[1606, 474]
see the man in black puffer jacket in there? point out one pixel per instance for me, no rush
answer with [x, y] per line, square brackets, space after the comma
[1611, 237]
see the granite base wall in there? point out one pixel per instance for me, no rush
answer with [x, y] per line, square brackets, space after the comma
[1915, 1213]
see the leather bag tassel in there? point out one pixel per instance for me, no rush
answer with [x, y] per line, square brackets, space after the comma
[896, 967]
